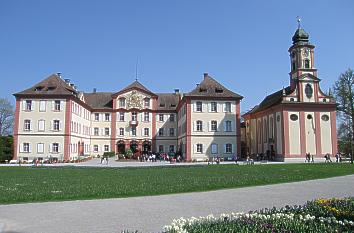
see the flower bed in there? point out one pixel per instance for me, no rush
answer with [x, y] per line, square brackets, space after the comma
[322, 215]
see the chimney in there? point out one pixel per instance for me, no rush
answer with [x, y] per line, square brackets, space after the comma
[176, 91]
[59, 74]
[67, 81]
[206, 75]
[197, 84]
[94, 90]
[75, 87]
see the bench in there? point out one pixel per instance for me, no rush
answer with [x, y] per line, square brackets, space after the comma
[13, 161]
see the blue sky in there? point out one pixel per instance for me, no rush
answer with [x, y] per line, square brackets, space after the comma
[242, 44]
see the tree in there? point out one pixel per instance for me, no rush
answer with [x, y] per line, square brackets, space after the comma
[6, 148]
[6, 117]
[344, 94]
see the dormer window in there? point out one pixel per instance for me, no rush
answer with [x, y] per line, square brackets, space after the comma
[51, 88]
[39, 88]
[162, 105]
[202, 90]
[218, 90]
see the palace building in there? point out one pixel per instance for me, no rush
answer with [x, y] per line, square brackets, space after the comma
[53, 119]
[297, 119]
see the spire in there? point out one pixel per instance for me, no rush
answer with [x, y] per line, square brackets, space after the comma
[300, 36]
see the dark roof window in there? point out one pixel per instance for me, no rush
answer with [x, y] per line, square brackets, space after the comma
[202, 90]
[162, 105]
[39, 88]
[218, 90]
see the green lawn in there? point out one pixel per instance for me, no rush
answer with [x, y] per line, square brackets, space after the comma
[37, 184]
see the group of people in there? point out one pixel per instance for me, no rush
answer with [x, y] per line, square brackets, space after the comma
[151, 157]
[309, 158]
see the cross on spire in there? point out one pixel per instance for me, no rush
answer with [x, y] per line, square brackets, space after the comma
[298, 22]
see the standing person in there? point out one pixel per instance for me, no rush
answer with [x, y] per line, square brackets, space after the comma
[107, 160]
[312, 159]
[337, 158]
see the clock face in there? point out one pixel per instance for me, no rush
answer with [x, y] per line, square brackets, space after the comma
[306, 52]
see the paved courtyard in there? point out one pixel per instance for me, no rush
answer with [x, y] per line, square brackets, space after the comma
[150, 214]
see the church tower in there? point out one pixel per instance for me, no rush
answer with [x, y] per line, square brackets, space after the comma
[303, 74]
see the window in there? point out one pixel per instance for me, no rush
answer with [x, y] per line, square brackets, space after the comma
[107, 117]
[213, 126]
[27, 126]
[146, 117]
[121, 131]
[134, 116]
[40, 148]
[213, 107]
[172, 132]
[172, 117]
[308, 91]
[324, 100]
[55, 147]
[228, 148]
[121, 102]
[56, 125]
[146, 131]
[325, 117]
[199, 126]
[26, 147]
[28, 105]
[95, 148]
[121, 116]
[133, 131]
[228, 127]
[172, 148]
[309, 116]
[57, 105]
[293, 66]
[106, 148]
[42, 106]
[294, 117]
[161, 132]
[161, 148]
[199, 106]
[214, 148]
[307, 63]
[146, 102]
[227, 107]
[161, 117]
[41, 125]
[106, 131]
[95, 131]
[199, 148]
[97, 116]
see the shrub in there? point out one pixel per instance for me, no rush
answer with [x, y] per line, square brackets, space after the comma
[109, 154]
[129, 154]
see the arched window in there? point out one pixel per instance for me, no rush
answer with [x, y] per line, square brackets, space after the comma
[307, 63]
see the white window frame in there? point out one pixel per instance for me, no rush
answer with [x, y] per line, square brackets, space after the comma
[39, 125]
[107, 117]
[146, 132]
[199, 126]
[97, 116]
[96, 133]
[199, 148]
[106, 131]
[122, 116]
[199, 106]
[106, 148]
[146, 116]
[216, 126]
[27, 125]
[227, 107]
[228, 148]
[212, 106]
[42, 105]
[57, 105]
[95, 148]
[214, 148]
[121, 131]
[55, 147]
[40, 148]
[26, 147]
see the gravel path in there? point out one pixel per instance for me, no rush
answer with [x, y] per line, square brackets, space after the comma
[150, 214]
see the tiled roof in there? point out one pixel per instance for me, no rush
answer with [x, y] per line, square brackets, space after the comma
[209, 87]
[271, 100]
[53, 85]
[135, 85]
[99, 100]
[167, 101]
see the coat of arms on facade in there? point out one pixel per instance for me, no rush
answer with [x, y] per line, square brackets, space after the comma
[134, 100]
